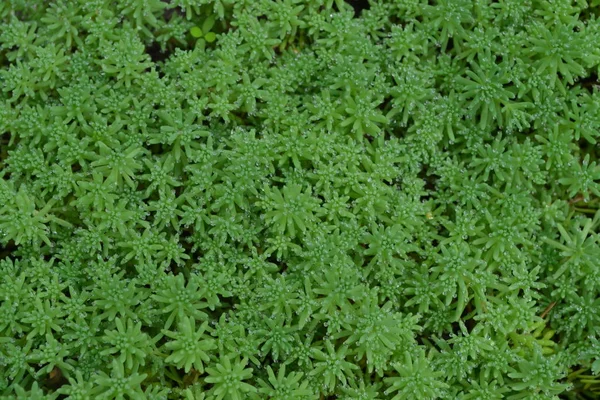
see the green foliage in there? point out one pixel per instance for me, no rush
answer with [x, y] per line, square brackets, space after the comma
[228, 379]
[189, 346]
[128, 342]
[204, 35]
[118, 384]
[298, 199]
[415, 380]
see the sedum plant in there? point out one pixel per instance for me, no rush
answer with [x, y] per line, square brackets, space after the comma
[299, 199]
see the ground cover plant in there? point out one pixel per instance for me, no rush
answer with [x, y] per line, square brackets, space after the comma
[299, 199]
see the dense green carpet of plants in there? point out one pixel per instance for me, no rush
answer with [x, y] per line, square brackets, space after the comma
[299, 199]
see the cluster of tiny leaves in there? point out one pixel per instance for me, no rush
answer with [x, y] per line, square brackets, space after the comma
[299, 200]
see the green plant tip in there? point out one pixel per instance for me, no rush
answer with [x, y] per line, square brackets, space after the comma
[210, 37]
[196, 32]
